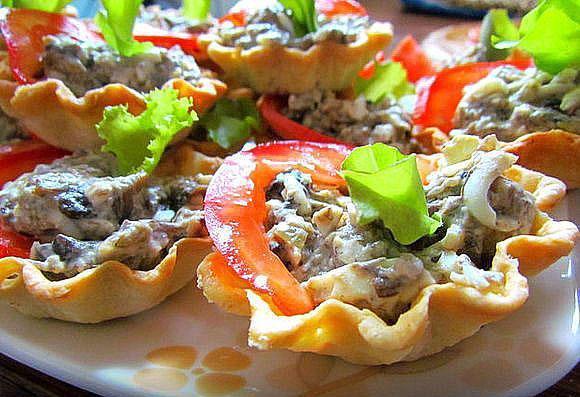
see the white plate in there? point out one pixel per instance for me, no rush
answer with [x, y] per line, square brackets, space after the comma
[519, 356]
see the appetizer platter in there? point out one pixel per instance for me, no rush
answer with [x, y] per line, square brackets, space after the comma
[279, 201]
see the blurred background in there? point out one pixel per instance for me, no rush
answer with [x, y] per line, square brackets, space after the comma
[457, 8]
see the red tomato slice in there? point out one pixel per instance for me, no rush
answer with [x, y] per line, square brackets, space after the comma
[369, 69]
[270, 107]
[439, 95]
[14, 244]
[189, 42]
[20, 157]
[237, 18]
[332, 8]
[16, 159]
[24, 30]
[410, 54]
[235, 212]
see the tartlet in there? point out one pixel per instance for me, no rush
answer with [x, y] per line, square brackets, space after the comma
[68, 122]
[65, 116]
[441, 315]
[278, 68]
[111, 289]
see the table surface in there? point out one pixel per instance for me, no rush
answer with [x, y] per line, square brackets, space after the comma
[19, 380]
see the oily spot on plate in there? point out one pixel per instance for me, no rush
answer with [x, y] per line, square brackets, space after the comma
[173, 360]
[160, 379]
[226, 359]
[181, 357]
[219, 383]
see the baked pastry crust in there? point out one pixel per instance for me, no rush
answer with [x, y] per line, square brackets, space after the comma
[111, 289]
[440, 316]
[108, 291]
[54, 114]
[278, 69]
[551, 152]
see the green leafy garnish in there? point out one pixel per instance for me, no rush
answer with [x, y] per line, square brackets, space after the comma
[550, 33]
[197, 10]
[116, 22]
[42, 5]
[139, 141]
[303, 13]
[231, 122]
[497, 24]
[385, 184]
[388, 80]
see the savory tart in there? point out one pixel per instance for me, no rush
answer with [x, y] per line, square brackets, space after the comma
[384, 271]
[277, 50]
[59, 62]
[513, 84]
[102, 246]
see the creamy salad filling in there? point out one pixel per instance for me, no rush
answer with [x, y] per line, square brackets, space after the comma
[317, 236]
[510, 103]
[273, 26]
[81, 215]
[171, 19]
[355, 121]
[84, 66]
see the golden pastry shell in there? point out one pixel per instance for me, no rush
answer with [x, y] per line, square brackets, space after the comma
[279, 69]
[110, 290]
[50, 110]
[441, 316]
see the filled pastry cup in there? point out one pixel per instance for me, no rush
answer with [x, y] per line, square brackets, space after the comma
[278, 69]
[439, 315]
[113, 289]
[110, 290]
[67, 121]
[63, 76]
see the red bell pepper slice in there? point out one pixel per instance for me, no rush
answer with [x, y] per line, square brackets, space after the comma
[410, 54]
[24, 30]
[16, 159]
[439, 95]
[235, 212]
[270, 107]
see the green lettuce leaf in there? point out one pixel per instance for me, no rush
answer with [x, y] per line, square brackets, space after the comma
[389, 80]
[231, 122]
[303, 13]
[497, 26]
[197, 10]
[42, 5]
[550, 33]
[385, 184]
[116, 22]
[139, 141]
